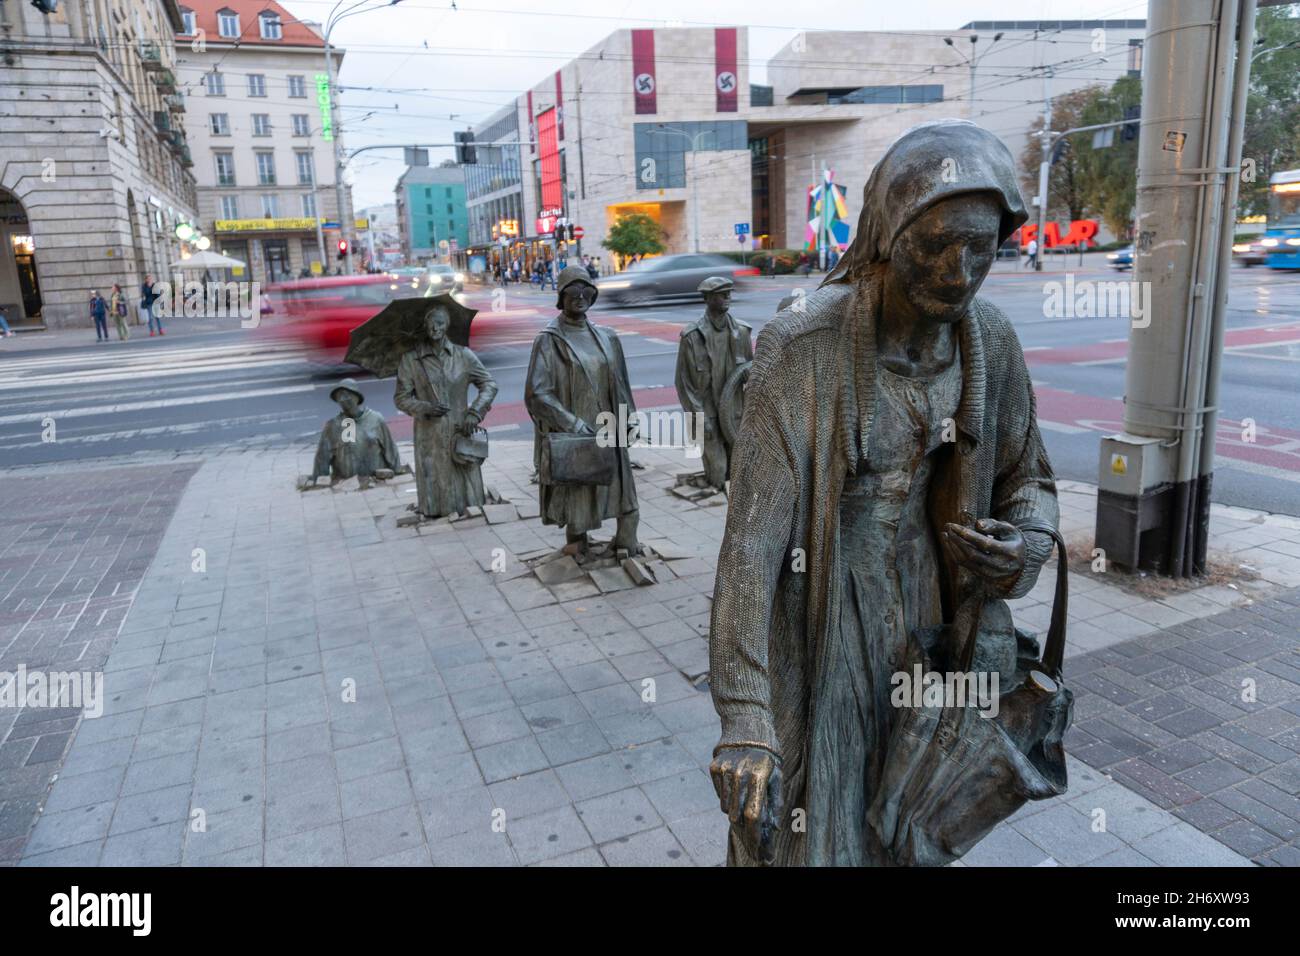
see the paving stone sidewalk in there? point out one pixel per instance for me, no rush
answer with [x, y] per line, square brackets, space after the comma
[333, 689]
[73, 551]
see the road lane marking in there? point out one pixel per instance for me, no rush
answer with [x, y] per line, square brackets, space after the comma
[92, 410]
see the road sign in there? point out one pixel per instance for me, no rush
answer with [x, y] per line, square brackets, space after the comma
[742, 228]
[578, 232]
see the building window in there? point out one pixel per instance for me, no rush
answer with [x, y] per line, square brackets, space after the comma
[301, 124]
[229, 207]
[447, 192]
[187, 22]
[270, 206]
[261, 124]
[297, 87]
[266, 168]
[225, 168]
[450, 210]
[270, 24]
[219, 124]
[451, 225]
[228, 23]
[306, 170]
[1135, 57]
[309, 206]
[214, 83]
[428, 209]
[256, 84]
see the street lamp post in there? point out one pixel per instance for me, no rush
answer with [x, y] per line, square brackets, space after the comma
[695, 204]
[973, 62]
[331, 22]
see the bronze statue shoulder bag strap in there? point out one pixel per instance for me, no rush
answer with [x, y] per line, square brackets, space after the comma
[1054, 646]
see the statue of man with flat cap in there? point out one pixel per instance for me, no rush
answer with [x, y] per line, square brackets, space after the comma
[711, 352]
[356, 442]
[577, 380]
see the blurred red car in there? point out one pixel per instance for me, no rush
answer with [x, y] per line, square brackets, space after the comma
[319, 313]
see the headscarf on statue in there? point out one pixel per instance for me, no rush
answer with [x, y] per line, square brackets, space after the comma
[928, 163]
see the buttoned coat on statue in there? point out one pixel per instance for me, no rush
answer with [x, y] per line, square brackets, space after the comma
[426, 377]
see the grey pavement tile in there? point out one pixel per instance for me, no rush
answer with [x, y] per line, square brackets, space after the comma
[589, 676]
[220, 757]
[412, 856]
[145, 810]
[289, 813]
[704, 837]
[88, 758]
[1123, 857]
[322, 846]
[304, 773]
[99, 786]
[368, 760]
[617, 814]
[441, 774]
[1212, 775]
[298, 742]
[633, 727]
[159, 773]
[125, 724]
[571, 742]
[496, 727]
[529, 795]
[482, 700]
[480, 846]
[366, 795]
[155, 846]
[1004, 847]
[167, 716]
[1067, 835]
[588, 856]
[538, 688]
[595, 775]
[656, 847]
[1126, 814]
[547, 835]
[82, 855]
[230, 792]
[1183, 845]
[382, 834]
[688, 714]
[1247, 839]
[55, 831]
[554, 712]
[225, 831]
[514, 758]
[1259, 813]
[164, 743]
[458, 811]
[655, 760]
[607, 701]
[682, 795]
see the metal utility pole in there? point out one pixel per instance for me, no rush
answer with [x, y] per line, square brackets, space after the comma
[1044, 168]
[1155, 478]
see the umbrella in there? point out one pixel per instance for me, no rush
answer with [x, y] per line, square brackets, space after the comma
[378, 344]
[208, 260]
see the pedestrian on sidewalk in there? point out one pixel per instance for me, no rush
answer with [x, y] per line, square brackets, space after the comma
[117, 304]
[147, 298]
[5, 331]
[1031, 261]
[99, 312]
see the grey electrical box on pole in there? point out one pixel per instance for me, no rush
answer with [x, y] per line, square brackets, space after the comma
[1154, 489]
[415, 156]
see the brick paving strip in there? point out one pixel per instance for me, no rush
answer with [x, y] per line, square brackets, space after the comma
[333, 689]
[73, 551]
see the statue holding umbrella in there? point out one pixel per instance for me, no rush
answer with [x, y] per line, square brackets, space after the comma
[425, 343]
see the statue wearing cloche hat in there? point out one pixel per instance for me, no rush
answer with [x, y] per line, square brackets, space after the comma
[713, 359]
[356, 442]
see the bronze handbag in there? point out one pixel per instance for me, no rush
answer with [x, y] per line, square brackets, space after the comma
[951, 775]
[471, 449]
[569, 459]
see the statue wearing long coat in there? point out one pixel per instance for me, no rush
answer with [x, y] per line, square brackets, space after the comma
[706, 359]
[558, 394]
[425, 377]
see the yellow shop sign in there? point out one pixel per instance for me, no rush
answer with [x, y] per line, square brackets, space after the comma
[264, 225]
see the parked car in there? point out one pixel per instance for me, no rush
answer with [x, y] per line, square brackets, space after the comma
[1250, 252]
[667, 277]
[1121, 258]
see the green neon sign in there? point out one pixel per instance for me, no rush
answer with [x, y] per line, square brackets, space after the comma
[323, 100]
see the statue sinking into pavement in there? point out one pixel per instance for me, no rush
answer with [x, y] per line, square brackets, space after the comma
[712, 352]
[433, 383]
[577, 382]
[355, 443]
[890, 444]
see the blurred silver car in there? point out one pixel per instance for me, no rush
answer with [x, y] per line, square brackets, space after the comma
[443, 278]
[667, 277]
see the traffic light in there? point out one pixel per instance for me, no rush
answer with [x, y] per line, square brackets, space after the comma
[569, 227]
[1129, 131]
[343, 248]
[465, 152]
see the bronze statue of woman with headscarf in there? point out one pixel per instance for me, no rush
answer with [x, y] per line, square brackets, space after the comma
[888, 458]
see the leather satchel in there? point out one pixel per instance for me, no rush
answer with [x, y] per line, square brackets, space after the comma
[952, 775]
[569, 459]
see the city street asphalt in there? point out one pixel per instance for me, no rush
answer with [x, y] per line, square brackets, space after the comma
[210, 383]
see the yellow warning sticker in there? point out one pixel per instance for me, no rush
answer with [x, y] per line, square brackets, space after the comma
[1119, 464]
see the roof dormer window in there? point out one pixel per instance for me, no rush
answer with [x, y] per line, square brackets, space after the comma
[188, 25]
[270, 23]
[228, 23]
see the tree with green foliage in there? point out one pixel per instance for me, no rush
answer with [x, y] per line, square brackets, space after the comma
[1108, 174]
[1065, 193]
[635, 234]
[1272, 136]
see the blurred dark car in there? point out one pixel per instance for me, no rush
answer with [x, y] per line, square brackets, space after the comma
[667, 277]
[1121, 258]
[1250, 252]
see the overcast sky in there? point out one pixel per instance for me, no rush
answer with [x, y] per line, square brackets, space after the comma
[452, 68]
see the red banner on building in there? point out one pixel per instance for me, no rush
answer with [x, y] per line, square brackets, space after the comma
[532, 125]
[559, 105]
[549, 148]
[643, 71]
[726, 80]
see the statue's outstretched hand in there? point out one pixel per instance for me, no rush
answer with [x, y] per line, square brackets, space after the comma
[748, 783]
